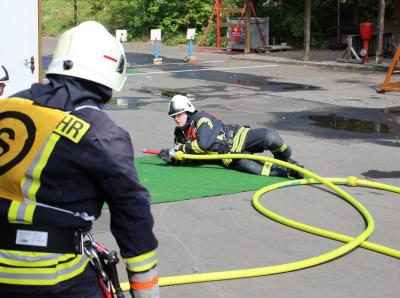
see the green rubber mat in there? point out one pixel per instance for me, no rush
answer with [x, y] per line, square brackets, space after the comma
[131, 71]
[168, 183]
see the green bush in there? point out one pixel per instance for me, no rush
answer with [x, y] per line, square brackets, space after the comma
[211, 38]
[138, 17]
[57, 16]
[176, 39]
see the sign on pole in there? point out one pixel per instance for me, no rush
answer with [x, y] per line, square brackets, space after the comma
[190, 34]
[155, 34]
[121, 35]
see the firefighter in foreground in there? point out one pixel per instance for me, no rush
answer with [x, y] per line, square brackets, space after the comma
[61, 158]
[3, 79]
[202, 133]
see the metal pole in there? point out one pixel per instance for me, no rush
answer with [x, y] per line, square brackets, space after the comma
[190, 48]
[248, 27]
[307, 29]
[379, 33]
[156, 48]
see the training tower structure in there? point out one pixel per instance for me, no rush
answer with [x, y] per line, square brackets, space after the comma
[222, 14]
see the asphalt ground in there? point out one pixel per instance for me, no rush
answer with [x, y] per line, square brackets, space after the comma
[337, 125]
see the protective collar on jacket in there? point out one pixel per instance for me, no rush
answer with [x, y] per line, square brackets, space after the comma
[66, 93]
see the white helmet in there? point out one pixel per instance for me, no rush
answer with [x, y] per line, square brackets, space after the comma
[4, 75]
[90, 52]
[180, 104]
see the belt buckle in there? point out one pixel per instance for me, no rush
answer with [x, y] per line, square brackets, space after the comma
[78, 242]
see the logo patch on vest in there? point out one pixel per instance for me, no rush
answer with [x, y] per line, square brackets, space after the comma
[17, 135]
[72, 128]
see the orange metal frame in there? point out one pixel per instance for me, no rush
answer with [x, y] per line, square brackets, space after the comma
[392, 86]
[217, 10]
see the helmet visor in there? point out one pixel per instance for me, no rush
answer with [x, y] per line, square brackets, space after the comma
[174, 109]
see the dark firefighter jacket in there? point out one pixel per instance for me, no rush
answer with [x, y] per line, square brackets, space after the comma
[75, 161]
[203, 133]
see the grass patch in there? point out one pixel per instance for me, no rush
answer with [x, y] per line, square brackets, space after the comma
[59, 15]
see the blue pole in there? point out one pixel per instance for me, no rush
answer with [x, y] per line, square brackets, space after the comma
[190, 48]
[156, 49]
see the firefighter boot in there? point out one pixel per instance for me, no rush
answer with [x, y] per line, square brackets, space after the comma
[293, 173]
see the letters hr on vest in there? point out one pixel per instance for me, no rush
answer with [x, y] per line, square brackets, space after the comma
[72, 128]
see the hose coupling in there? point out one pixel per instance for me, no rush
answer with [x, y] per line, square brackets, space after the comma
[352, 181]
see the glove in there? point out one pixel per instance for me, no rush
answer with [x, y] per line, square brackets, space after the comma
[167, 155]
[144, 284]
[224, 149]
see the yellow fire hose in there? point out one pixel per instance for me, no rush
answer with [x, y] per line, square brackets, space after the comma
[351, 242]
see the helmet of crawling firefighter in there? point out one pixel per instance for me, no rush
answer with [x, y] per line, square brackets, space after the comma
[88, 51]
[4, 75]
[180, 104]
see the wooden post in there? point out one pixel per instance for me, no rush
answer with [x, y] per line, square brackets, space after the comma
[248, 27]
[397, 16]
[338, 23]
[75, 13]
[307, 29]
[40, 40]
[218, 5]
[380, 30]
[356, 12]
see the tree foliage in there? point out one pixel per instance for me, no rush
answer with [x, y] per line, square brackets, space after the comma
[139, 16]
[175, 16]
[287, 18]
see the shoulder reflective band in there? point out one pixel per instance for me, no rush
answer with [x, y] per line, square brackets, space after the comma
[72, 128]
[204, 120]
